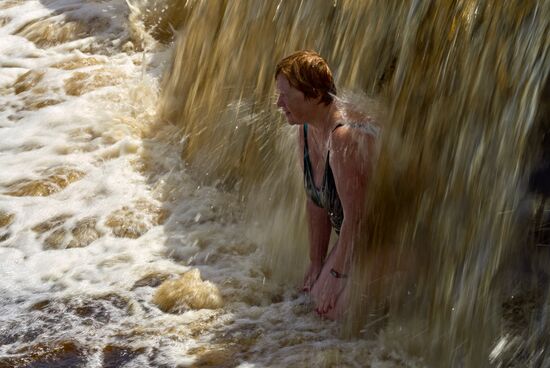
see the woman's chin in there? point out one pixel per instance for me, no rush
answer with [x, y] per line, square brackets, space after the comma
[291, 121]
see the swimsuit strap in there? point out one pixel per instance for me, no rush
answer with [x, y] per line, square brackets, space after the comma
[306, 148]
[309, 180]
[328, 151]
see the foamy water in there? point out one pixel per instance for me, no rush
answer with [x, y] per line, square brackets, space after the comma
[97, 210]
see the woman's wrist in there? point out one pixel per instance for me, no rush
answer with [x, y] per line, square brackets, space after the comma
[337, 274]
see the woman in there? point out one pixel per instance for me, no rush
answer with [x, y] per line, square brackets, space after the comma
[337, 158]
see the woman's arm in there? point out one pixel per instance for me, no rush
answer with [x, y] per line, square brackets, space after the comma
[350, 161]
[319, 230]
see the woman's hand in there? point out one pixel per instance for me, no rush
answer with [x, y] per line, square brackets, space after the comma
[327, 290]
[311, 275]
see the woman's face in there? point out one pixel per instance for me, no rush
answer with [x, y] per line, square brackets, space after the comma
[292, 102]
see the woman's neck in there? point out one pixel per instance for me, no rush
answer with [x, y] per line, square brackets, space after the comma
[325, 120]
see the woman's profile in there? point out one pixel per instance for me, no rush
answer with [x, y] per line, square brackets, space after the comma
[337, 149]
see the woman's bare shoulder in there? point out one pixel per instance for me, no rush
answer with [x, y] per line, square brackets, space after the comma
[364, 115]
[352, 131]
[355, 143]
[353, 139]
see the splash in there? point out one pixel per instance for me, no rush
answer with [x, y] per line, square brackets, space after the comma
[219, 91]
[189, 291]
[461, 82]
[105, 210]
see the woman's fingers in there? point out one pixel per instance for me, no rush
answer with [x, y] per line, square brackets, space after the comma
[328, 297]
[307, 284]
[326, 304]
[311, 276]
[325, 291]
[331, 302]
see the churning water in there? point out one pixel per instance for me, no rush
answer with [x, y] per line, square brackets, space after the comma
[151, 209]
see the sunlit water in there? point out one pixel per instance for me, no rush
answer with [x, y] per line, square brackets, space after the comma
[97, 210]
[151, 214]
[460, 85]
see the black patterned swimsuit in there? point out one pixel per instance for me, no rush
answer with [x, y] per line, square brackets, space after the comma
[327, 196]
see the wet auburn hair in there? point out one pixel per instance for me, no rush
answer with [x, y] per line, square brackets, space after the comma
[309, 73]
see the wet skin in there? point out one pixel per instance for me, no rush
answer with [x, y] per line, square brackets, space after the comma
[350, 150]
